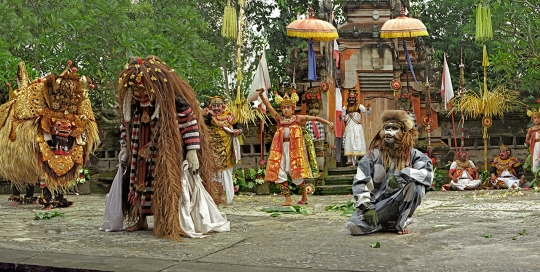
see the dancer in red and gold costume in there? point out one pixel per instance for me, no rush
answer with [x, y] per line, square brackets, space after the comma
[533, 140]
[224, 132]
[288, 151]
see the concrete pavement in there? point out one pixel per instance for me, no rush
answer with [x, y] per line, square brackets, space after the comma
[452, 231]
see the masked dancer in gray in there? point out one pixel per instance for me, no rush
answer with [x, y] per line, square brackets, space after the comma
[391, 179]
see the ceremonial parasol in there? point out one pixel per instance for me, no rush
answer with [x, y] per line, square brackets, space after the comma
[315, 30]
[404, 27]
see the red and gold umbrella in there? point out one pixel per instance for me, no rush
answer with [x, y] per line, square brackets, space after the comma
[312, 28]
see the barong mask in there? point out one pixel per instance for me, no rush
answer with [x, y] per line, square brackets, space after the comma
[66, 128]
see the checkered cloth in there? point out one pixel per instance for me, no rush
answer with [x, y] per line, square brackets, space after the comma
[320, 127]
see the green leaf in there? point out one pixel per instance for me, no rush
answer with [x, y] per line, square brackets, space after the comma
[376, 245]
[487, 235]
[275, 215]
[522, 232]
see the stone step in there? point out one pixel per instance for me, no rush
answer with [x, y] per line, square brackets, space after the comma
[339, 179]
[341, 170]
[334, 189]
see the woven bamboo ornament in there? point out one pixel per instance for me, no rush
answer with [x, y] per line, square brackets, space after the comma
[229, 26]
[484, 31]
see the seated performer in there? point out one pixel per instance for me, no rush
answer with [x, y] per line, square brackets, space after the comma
[391, 179]
[463, 173]
[506, 172]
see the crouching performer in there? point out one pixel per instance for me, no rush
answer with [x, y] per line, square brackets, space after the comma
[391, 179]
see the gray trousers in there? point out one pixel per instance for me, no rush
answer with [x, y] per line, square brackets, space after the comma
[398, 207]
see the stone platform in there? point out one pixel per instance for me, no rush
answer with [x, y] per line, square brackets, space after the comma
[452, 231]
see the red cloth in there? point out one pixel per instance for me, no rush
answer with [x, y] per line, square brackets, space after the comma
[315, 130]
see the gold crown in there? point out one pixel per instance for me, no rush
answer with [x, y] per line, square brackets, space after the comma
[217, 100]
[286, 100]
[533, 113]
[64, 92]
[504, 148]
[353, 91]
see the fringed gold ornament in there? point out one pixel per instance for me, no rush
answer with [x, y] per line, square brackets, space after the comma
[484, 30]
[229, 26]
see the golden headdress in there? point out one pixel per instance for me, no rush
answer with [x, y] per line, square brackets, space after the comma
[504, 148]
[217, 100]
[286, 100]
[533, 113]
[353, 91]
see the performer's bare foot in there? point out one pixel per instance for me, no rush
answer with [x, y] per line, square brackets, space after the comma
[403, 231]
[14, 203]
[287, 202]
[46, 208]
[140, 225]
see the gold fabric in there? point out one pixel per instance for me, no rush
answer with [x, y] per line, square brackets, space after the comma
[297, 152]
[312, 156]
[222, 141]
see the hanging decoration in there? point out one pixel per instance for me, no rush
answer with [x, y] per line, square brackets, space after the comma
[325, 86]
[229, 25]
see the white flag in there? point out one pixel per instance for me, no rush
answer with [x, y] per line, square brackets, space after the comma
[447, 92]
[261, 79]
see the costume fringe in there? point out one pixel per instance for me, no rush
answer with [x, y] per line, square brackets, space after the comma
[170, 152]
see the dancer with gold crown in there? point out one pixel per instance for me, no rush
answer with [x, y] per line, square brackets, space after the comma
[288, 153]
[224, 132]
[533, 139]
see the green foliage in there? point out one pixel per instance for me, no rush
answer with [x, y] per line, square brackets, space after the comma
[242, 179]
[101, 36]
[246, 178]
[277, 211]
[513, 52]
[484, 175]
[375, 245]
[347, 208]
[47, 215]
[438, 180]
